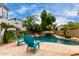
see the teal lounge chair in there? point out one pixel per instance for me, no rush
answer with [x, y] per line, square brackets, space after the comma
[19, 41]
[29, 40]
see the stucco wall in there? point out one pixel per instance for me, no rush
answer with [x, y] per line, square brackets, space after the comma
[75, 33]
[3, 12]
[0, 11]
[0, 35]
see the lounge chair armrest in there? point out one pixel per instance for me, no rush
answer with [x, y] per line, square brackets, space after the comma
[36, 41]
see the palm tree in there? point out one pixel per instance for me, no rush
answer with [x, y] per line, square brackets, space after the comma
[5, 26]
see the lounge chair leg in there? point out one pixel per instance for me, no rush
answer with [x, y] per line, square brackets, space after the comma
[27, 49]
[34, 50]
[18, 44]
[38, 46]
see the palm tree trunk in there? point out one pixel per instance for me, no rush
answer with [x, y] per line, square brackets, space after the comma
[5, 40]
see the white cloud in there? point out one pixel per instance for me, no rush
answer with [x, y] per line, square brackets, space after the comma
[34, 5]
[62, 20]
[76, 5]
[73, 11]
[22, 9]
[70, 12]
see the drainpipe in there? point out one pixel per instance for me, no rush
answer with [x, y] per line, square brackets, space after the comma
[0, 33]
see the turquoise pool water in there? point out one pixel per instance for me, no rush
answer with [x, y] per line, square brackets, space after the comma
[56, 40]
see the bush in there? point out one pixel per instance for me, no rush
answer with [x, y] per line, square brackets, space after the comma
[49, 28]
[68, 34]
[37, 28]
[10, 35]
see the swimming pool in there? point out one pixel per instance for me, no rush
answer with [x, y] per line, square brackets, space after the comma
[56, 40]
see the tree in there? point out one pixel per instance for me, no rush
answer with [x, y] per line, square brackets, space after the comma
[50, 19]
[43, 15]
[32, 19]
[37, 28]
[47, 19]
[30, 22]
[6, 26]
[43, 19]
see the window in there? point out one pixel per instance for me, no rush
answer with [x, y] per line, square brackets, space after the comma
[4, 15]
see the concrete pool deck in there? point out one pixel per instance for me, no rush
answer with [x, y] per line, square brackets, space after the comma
[46, 49]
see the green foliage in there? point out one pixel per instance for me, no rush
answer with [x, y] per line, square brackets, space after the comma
[10, 35]
[69, 26]
[6, 26]
[43, 25]
[32, 19]
[31, 25]
[49, 28]
[66, 31]
[43, 15]
[54, 27]
[47, 19]
[29, 22]
[72, 25]
[37, 28]
[50, 19]
[68, 34]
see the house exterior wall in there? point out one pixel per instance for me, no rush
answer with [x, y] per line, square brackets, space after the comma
[3, 12]
[0, 35]
[0, 11]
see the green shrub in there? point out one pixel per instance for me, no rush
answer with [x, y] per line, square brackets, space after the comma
[49, 28]
[37, 28]
[10, 35]
[68, 34]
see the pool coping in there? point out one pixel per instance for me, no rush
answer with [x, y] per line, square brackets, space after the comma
[71, 39]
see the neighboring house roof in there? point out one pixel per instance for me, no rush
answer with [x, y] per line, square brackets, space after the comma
[15, 19]
[3, 5]
[60, 26]
[11, 29]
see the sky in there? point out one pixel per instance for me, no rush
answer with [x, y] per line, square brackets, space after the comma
[64, 12]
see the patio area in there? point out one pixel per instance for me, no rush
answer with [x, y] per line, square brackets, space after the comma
[46, 49]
